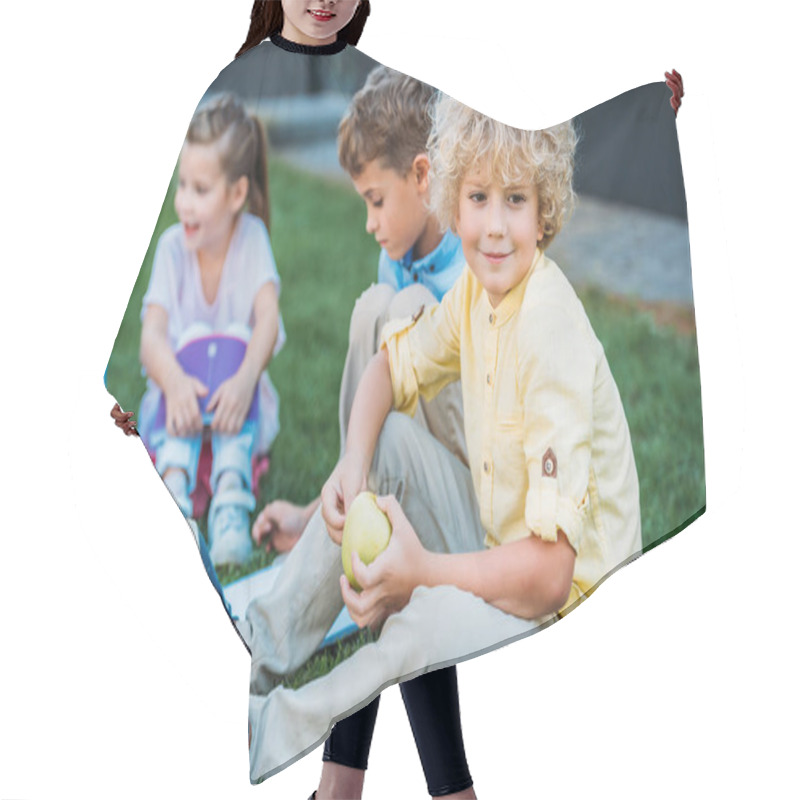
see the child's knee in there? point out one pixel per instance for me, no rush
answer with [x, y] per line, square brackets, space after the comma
[238, 330]
[407, 301]
[197, 330]
[369, 309]
[174, 472]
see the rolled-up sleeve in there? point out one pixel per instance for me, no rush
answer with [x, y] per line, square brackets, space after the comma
[557, 364]
[424, 350]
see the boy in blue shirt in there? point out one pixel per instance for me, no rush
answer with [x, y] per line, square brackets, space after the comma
[382, 146]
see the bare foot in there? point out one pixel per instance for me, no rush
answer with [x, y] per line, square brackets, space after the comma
[280, 524]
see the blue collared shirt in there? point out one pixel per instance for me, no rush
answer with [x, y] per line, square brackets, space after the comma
[437, 271]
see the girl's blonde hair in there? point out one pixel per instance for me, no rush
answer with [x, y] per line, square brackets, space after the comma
[242, 146]
[462, 138]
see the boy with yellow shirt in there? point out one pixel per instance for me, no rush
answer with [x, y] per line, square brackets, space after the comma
[548, 506]
[550, 454]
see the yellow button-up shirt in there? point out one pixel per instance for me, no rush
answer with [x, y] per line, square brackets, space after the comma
[549, 446]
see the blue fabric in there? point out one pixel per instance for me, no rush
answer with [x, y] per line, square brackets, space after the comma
[212, 572]
[437, 271]
[233, 452]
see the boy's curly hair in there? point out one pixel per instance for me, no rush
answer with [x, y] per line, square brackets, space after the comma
[462, 138]
[388, 119]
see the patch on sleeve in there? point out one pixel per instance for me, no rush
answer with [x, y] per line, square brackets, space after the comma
[549, 464]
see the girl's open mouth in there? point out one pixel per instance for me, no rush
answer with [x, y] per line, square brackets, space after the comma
[322, 16]
[190, 229]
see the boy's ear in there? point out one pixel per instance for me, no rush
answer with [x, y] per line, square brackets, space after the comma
[420, 169]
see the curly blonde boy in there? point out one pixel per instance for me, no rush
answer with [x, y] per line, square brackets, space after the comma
[550, 457]
[462, 137]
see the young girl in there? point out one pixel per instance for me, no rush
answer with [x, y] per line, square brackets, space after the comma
[214, 288]
[312, 23]
[324, 27]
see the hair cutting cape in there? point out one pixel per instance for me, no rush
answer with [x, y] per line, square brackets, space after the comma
[625, 251]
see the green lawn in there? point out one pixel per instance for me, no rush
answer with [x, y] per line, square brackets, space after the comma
[326, 260]
[656, 370]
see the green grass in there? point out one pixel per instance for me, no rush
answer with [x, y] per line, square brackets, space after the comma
[657, 372]
[326, 659]
[325, 260]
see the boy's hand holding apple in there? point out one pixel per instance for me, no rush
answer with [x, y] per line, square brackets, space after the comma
[348, 479]
[387, 583]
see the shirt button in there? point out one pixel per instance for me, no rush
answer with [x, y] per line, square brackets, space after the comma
[489, 378]
[432, 267]
[486, 467]
[491, 319]
[416, 277]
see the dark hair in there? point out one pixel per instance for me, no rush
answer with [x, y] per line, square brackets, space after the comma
[266, 19]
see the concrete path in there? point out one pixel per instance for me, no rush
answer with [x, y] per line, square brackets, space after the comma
[626, 251]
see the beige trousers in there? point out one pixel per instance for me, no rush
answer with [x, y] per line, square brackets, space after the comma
[435, 491]
[438, 627]
[423, 463]
[287, 625]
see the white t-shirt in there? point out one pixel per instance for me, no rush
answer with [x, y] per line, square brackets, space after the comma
[175, 285]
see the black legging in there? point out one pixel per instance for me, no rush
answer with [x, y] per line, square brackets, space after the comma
[432, 706]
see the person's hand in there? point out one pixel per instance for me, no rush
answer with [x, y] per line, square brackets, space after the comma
[387, 583]
[347, 480]
[279, 526]
[124, 420]
[183, 410]
[675, 84]
[230, 404]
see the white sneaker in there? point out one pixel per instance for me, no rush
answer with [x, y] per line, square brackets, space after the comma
[229, 527]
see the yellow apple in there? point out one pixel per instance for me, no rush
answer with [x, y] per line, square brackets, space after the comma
[367, 531]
